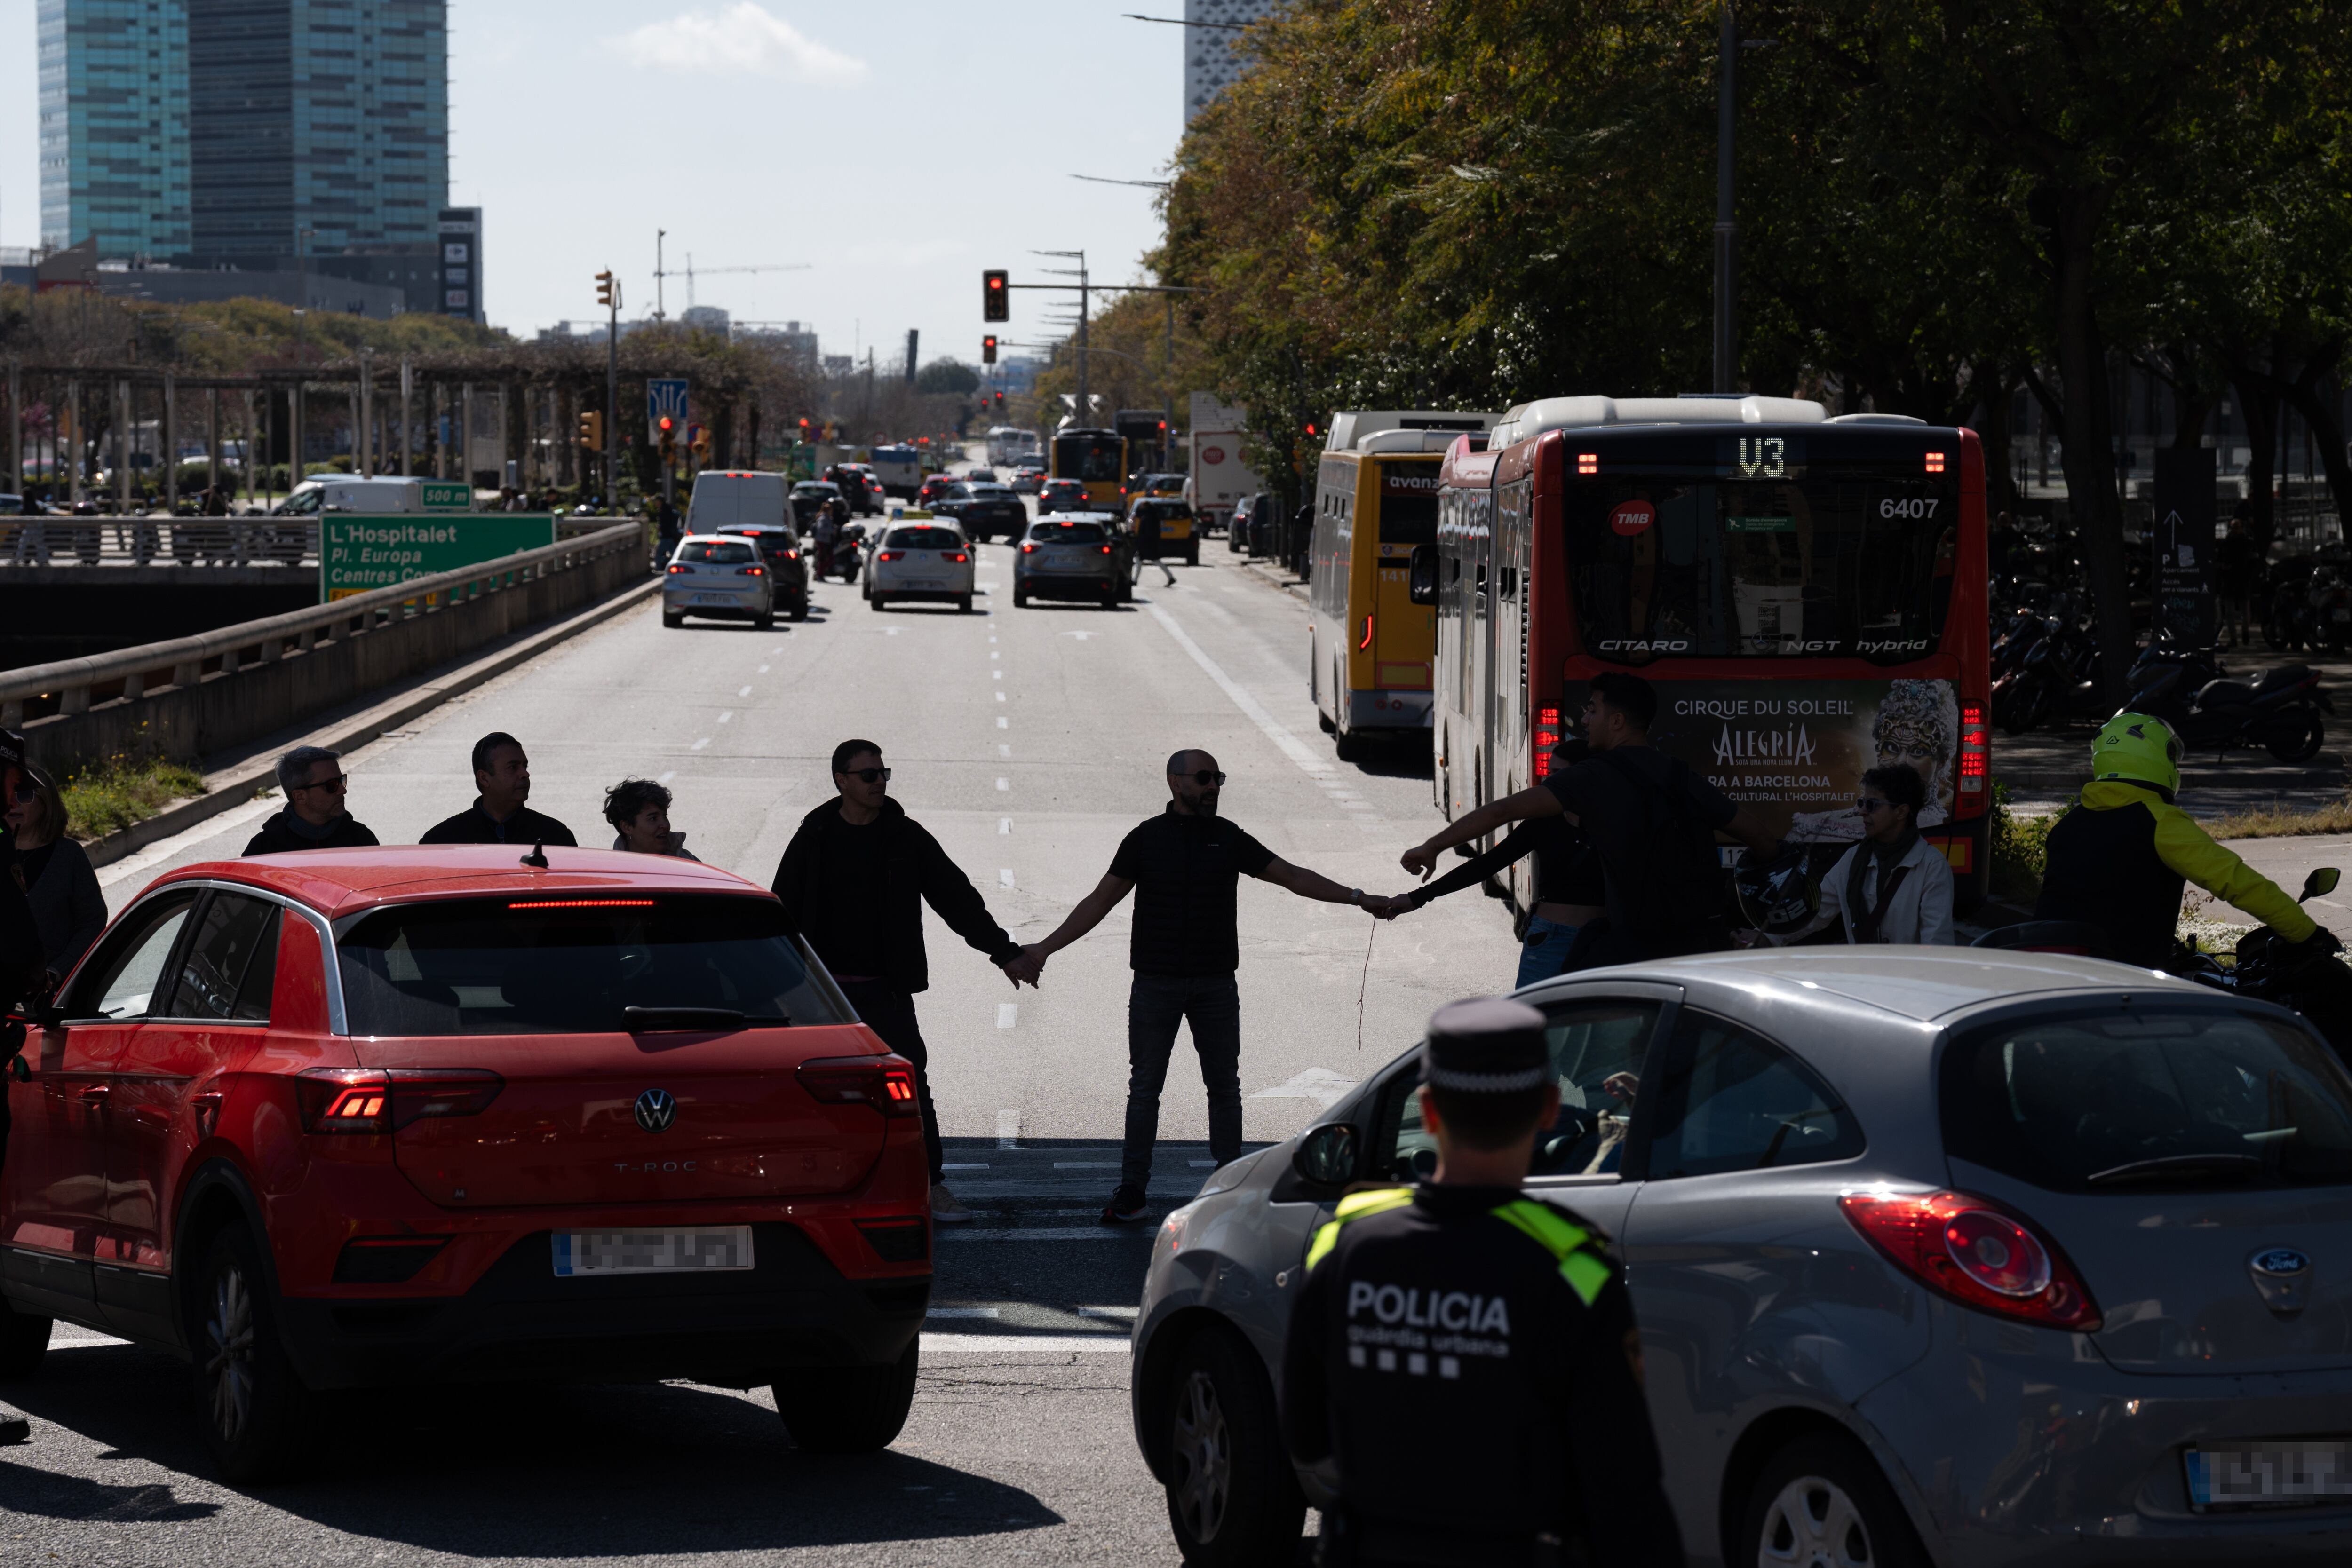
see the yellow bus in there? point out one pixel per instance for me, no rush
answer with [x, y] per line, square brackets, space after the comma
[1097, 459]
[1375, 501]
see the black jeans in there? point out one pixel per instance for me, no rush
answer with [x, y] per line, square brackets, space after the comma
[890, 1013]
[1212, 1004]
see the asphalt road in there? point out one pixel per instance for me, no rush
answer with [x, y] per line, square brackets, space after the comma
[1029, 742]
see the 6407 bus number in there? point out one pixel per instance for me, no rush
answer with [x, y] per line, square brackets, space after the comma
[1900, 507]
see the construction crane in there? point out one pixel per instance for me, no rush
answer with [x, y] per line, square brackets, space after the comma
[660, 274]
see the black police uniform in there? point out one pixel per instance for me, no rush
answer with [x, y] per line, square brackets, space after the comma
[1468, 1356]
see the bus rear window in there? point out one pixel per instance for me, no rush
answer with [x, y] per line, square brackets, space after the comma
[1851, 564]
[1408, 497]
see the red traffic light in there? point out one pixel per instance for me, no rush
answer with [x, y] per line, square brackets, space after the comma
[994, 302]
[665, 425]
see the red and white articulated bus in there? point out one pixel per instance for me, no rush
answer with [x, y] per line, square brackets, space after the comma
[1809, 594]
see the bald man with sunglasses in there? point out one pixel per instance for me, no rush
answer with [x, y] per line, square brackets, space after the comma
[1187, 863]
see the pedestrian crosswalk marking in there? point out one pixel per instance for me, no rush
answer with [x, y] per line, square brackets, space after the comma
[1004, 876]
[1004, 824]
[1004, 783]
[1318, 1083]
[1004, 723]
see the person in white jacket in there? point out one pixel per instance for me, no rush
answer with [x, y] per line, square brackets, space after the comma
[1893, 886]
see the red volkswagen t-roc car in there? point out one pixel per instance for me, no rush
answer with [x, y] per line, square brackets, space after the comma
[345, 1119]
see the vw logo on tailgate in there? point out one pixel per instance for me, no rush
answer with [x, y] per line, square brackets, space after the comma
[655, 1110]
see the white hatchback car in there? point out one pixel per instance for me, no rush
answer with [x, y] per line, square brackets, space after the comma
[920, 558]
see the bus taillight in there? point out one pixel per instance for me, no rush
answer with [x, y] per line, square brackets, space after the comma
[1935, 463]
[1547, 737]
[1368, 636]
[1976, 748]
[1588, 463]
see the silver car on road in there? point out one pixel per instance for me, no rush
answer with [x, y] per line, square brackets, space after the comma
[1939, 1255]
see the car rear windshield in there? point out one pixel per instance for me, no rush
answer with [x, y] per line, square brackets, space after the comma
[573, 964]
[925, 539]
[2141, 1097]
[1066, 533]
[716, 555]
[990, 493]
[775, 541]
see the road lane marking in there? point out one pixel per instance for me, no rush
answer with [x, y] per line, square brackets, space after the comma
[726, 718]
[746, 691]
[995, 655]
[1318, 1083]
[963, 1312]
[1005, 877]
[999, 697]
[1002, 749]
[763, 670]
[1085, 1165]
[1006, 1014]
[1252, 709]
[1035, 1345]
[1004, 824]
[666, 777]
[1062, 1233]
[699, 744]
[995, 674]
[1122, 1314]
[1004, 783]
[967, 1165]
[1008, 1129]
[1003, 723]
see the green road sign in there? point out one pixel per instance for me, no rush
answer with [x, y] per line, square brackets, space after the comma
[357, 551]
[441, 496]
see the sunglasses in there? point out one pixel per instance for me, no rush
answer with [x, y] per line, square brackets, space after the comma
[26, 793]
[339, 783]
[1205, 778]
[868, 775]
[1868, 803]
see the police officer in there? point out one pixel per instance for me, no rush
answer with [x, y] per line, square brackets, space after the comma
[2119, 859]
[1466, 1353]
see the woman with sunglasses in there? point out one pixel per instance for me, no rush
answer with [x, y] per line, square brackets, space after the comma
[314, 818]
[68, 908]
[1893, 886]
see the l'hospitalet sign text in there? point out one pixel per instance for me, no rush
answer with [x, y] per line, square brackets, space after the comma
[357, 551]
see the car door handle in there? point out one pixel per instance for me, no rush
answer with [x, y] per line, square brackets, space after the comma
[96, 1094]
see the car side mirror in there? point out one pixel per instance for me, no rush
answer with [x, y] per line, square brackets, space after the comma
[1424, 574]
[1327, 1154]
[2321, 882]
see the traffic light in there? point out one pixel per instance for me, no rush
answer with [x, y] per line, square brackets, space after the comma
[1000, 400]
[668, 428]
[605, 290]
[995, 301]
[591, 430]
[699, 441]
[988, 349]
[804, 430]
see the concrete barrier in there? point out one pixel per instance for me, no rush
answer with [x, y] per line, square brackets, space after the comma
[196, 696]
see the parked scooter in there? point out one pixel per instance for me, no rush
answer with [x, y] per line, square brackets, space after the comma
[2188, 689]
[2049, 670]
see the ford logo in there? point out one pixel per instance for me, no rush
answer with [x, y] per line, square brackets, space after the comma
[2278, 1261]
[655, 1110]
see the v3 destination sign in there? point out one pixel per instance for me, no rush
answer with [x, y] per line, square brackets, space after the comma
[358, 550]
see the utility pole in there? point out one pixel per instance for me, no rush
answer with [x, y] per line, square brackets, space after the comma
[608, 294]
[407, 387]
[1727, 228]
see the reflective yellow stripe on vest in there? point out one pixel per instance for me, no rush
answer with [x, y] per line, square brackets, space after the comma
[1355, 1206]
[1565, 1240]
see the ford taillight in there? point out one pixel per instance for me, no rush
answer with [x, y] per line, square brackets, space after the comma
[1977, 1253]
[346, 1100]
[885, 1082]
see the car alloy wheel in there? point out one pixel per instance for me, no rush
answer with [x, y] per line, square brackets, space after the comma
[1813, 1523]
[1201, 1447]
[1823, 1502]
[227, 1350]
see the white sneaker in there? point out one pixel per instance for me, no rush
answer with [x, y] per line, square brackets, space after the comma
[947, 1209]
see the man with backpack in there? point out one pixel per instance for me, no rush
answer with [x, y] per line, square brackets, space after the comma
[1653, 821]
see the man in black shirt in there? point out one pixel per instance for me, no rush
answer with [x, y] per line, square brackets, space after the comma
[1653, 821]
[497, 816]
[1186, 946]
[1466, 1353]
[854, 880]
[314, 818]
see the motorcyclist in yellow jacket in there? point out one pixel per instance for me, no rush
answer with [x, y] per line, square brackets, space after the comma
[2119, 859]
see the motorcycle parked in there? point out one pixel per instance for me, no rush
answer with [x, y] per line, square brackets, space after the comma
[2188, 689]
[2053, 666]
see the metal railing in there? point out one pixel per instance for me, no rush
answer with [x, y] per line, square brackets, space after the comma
[161, 539]
[70, 686]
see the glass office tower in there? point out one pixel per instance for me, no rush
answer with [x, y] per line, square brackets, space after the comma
[114, 125]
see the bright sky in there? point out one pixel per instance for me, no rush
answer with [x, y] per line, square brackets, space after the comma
[899, 148]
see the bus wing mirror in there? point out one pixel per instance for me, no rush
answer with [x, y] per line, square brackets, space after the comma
[1424, 574]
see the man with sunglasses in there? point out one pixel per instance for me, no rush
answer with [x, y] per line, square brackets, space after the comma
[854, 880]
[1186, 944]
[314, 818]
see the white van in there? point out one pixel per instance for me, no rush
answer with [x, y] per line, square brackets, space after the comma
[731, 498]
[375, 497]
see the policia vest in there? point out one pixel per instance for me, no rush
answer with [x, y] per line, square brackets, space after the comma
[1467, 1357]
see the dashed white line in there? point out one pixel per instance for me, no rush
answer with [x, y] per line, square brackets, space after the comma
[1007, 1014]
[1120, 1314]
[966, 1166]
[1004, 824]
[1004, 723]
[726, 718]
[743, 692]
[1004, 876]
[995, 674]
[1085, 1165]
[666, 777]
[699, 744]
[1002, 749]
[963, 1312]
[1004, 783]
[763, 670]
[999, 697]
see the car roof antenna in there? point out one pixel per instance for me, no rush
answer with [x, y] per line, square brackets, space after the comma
[538, 856]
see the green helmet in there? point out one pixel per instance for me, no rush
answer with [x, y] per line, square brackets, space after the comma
[2139, 748]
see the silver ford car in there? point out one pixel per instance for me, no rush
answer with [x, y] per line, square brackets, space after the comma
[1943, 1256]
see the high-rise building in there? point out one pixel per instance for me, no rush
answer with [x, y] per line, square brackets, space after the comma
[114, 125]
[1210, 63]
[225, 132]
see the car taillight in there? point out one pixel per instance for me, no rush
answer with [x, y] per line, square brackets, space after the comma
[673, 567]
[1978, 1254]
[891, 555]
[1028, 549]
[792, 554]
[1106, 550]
[346, 1100]
[752, 571]
[957, 555]
[885, 1082]
[1976, 748]
[1547, 737]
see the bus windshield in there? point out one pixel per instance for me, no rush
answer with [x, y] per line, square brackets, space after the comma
[1089, 457]
[1853, 562]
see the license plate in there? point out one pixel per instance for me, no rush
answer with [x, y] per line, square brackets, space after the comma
[2310, 1471]
[1067, 560]
[922, 582]
[714, 599]
[700, 1249]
